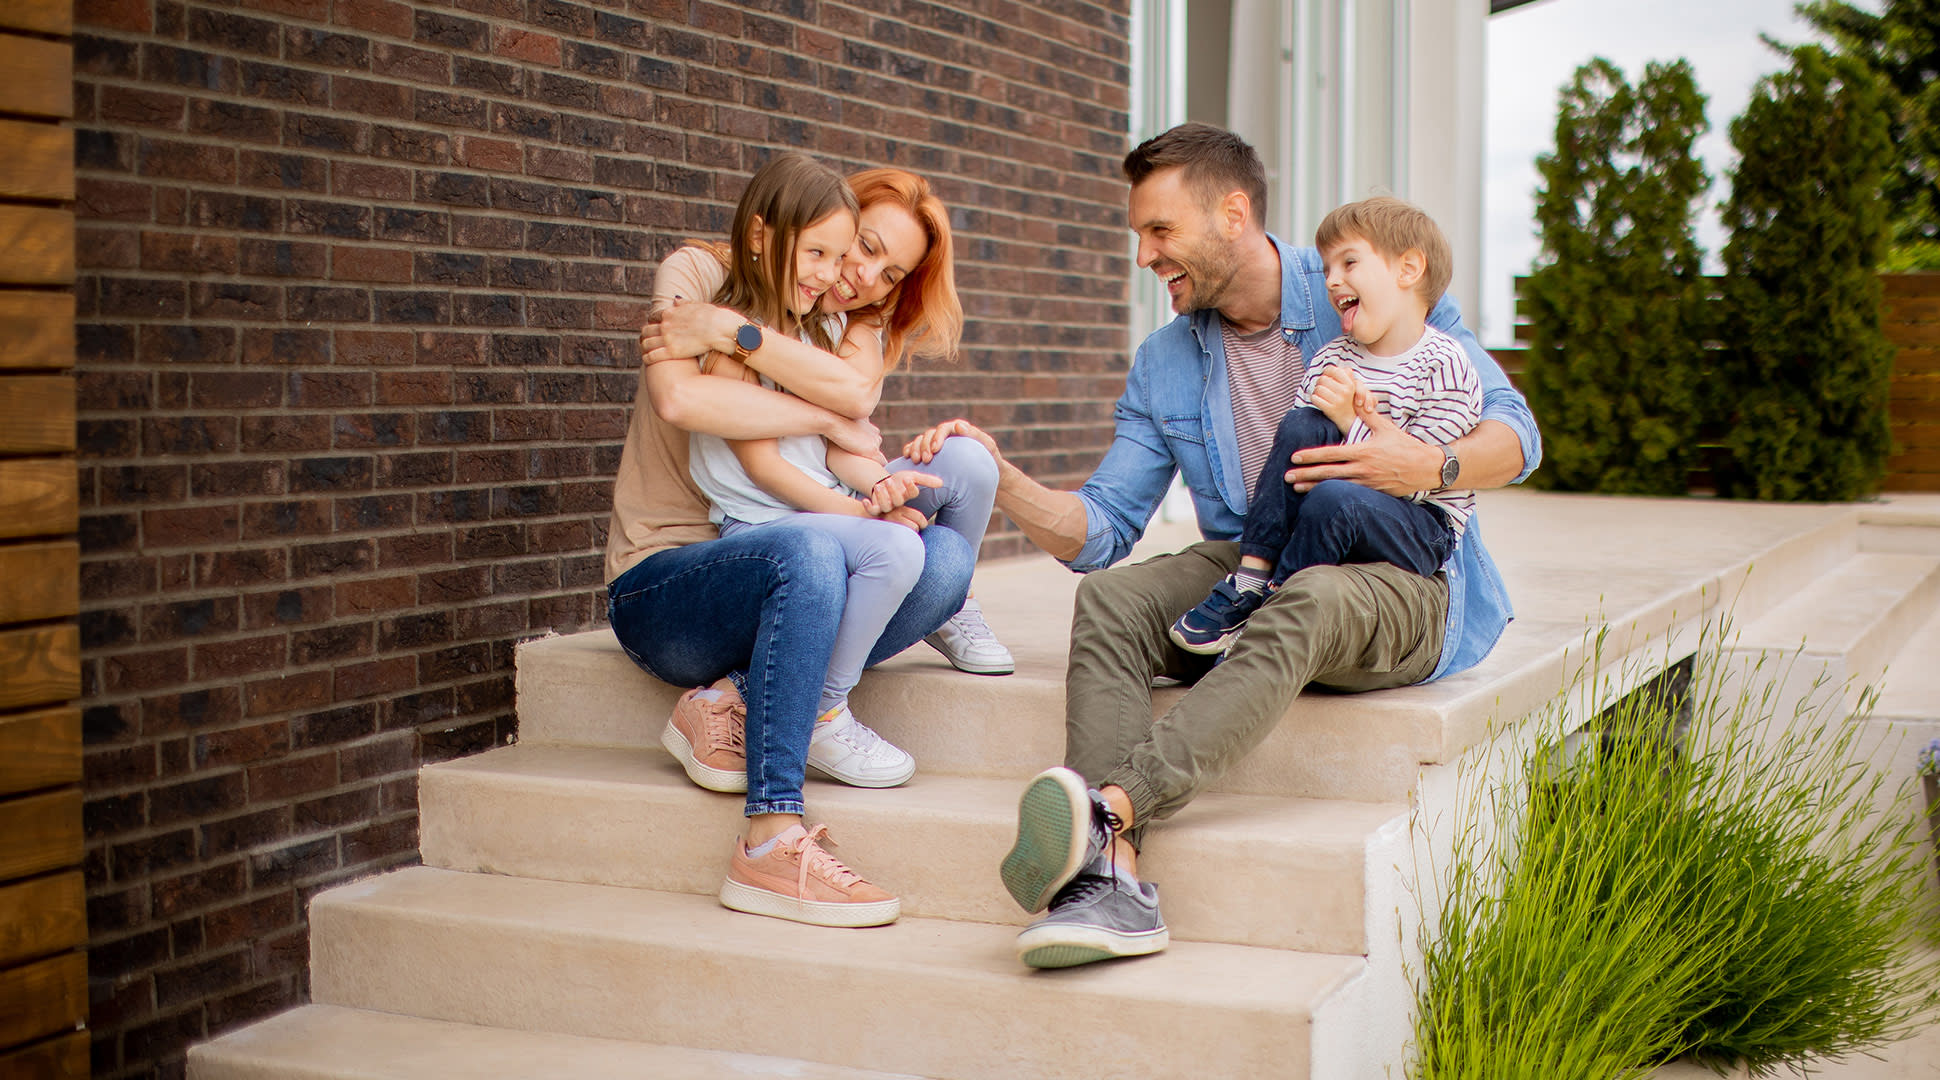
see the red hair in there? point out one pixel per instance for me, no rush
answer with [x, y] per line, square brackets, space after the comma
[921, 316]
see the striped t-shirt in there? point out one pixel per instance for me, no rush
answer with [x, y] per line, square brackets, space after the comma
[1431, 392]
[1264, 372]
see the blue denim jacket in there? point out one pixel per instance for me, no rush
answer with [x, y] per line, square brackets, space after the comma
[1176, 415]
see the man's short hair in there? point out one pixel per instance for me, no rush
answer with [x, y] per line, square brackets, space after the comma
[1215, 161]
[1391, 226]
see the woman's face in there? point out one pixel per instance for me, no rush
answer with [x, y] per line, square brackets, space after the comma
[888, 245]
[818, 259]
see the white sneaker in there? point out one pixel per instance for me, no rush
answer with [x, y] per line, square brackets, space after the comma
[843, 749]
[968, 643]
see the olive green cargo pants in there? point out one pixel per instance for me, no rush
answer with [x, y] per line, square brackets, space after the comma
[1360, 627]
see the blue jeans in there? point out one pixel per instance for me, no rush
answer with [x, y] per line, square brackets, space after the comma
[767, 601]
[1338, 521]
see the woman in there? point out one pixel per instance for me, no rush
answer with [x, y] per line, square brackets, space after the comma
[690, 607]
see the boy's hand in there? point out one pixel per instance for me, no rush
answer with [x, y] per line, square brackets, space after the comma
[898, 488]
[1335, 393]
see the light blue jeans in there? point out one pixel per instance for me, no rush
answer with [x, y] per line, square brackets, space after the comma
[885, 560]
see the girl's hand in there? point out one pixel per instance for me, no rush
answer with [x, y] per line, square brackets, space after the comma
[688, 330]
[909, 517]
[898, 488]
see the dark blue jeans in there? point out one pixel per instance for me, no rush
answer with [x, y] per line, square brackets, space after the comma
[1338, 521]
[767, 601]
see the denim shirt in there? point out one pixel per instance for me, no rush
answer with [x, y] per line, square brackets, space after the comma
[1176, 415]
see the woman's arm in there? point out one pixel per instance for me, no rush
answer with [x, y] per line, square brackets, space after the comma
[686, 329]
[732, 409]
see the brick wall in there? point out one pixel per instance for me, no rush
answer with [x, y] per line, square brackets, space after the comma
[358, 283]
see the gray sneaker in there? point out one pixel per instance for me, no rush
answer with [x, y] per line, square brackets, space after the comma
[1061, 826]
[1098, 916]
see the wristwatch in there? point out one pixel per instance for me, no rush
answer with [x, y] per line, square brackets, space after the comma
[1451, 468]
[746, 340]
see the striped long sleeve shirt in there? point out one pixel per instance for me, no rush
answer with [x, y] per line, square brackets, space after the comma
[1431, 391]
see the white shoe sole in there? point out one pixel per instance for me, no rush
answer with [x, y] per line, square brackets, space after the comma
[756, 901]
[858, 780]
[1053, 835]
[706, 776]
[1211, 648]
[1068, 946]
[970, 667]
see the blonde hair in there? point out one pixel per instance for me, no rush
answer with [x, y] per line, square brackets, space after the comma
[921, 315]
[790, 193]
[1393, 227]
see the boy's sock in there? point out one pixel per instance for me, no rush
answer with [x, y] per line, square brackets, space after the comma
[759, 850]
[1247, 579]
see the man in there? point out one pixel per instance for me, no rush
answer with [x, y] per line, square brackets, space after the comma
[1203, 399]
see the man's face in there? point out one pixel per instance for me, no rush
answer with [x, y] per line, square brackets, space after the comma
[1179, 238]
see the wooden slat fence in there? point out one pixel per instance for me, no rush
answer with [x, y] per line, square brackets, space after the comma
[43, 925]
[1912, 323]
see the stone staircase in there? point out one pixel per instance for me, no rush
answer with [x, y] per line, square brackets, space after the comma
[564, 920]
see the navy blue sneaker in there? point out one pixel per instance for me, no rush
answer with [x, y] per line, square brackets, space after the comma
[1210, 628]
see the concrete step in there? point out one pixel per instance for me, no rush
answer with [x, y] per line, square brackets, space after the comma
[1911, 688]
[325, 1042]
[1853, 618]
[1650, 567]
[924, 996]
[1906, 524]
[1247, 870]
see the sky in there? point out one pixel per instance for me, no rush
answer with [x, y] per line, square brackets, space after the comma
[1535, 50]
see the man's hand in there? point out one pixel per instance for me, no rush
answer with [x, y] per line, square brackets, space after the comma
[923, 447]
[898, 488]
[858, 437]
[1334, 394]
[1389, 461]
[688, 330]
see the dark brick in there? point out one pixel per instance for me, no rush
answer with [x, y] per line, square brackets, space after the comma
[223, 210]
[188, 67]
[334, 726]
[327, 133]
[196, 799]
[422, 308]
[233, 32]
[188, 344]
[457, 189]
[327, 50]
[501, 80]
[488, 309]
[343, 556]
[283, 258]
[308, 303]
[231, 835]
[292, 863]
[286, 84]
[259, 303]
[451, 31]
[525, 350]
[406, 144]
[450, 110]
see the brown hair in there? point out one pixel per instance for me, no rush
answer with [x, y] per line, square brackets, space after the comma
[788, 194]
[1392, 227]
[921, 315]
[1215, 161]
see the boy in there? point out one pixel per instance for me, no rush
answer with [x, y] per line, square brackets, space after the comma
[1387, 266]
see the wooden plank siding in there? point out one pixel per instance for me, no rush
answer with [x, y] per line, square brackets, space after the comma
[1911, 319]
[43, 925]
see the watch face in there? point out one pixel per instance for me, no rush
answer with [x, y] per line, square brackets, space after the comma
[1451, 468]
[748, 337]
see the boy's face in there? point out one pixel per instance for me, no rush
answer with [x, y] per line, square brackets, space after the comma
[1375, 295]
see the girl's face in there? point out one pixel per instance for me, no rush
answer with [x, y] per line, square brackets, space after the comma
[818, 259]
[889, 243]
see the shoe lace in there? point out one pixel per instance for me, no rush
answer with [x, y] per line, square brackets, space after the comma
[1083, 888]
[814, 859]
[971, 624]
[857, 736]
[723, 723]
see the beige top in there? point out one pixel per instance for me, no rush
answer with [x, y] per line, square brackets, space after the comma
[655, 503]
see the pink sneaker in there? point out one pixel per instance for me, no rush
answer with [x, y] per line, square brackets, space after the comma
[705, 735]
[796, 879]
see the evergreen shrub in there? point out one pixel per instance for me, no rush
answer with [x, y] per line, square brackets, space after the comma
[1805, 372]
[1616, 303]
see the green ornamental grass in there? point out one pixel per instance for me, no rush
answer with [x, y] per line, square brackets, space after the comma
[1726, 892]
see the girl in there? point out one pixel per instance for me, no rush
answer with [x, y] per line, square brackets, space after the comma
[777, 269]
